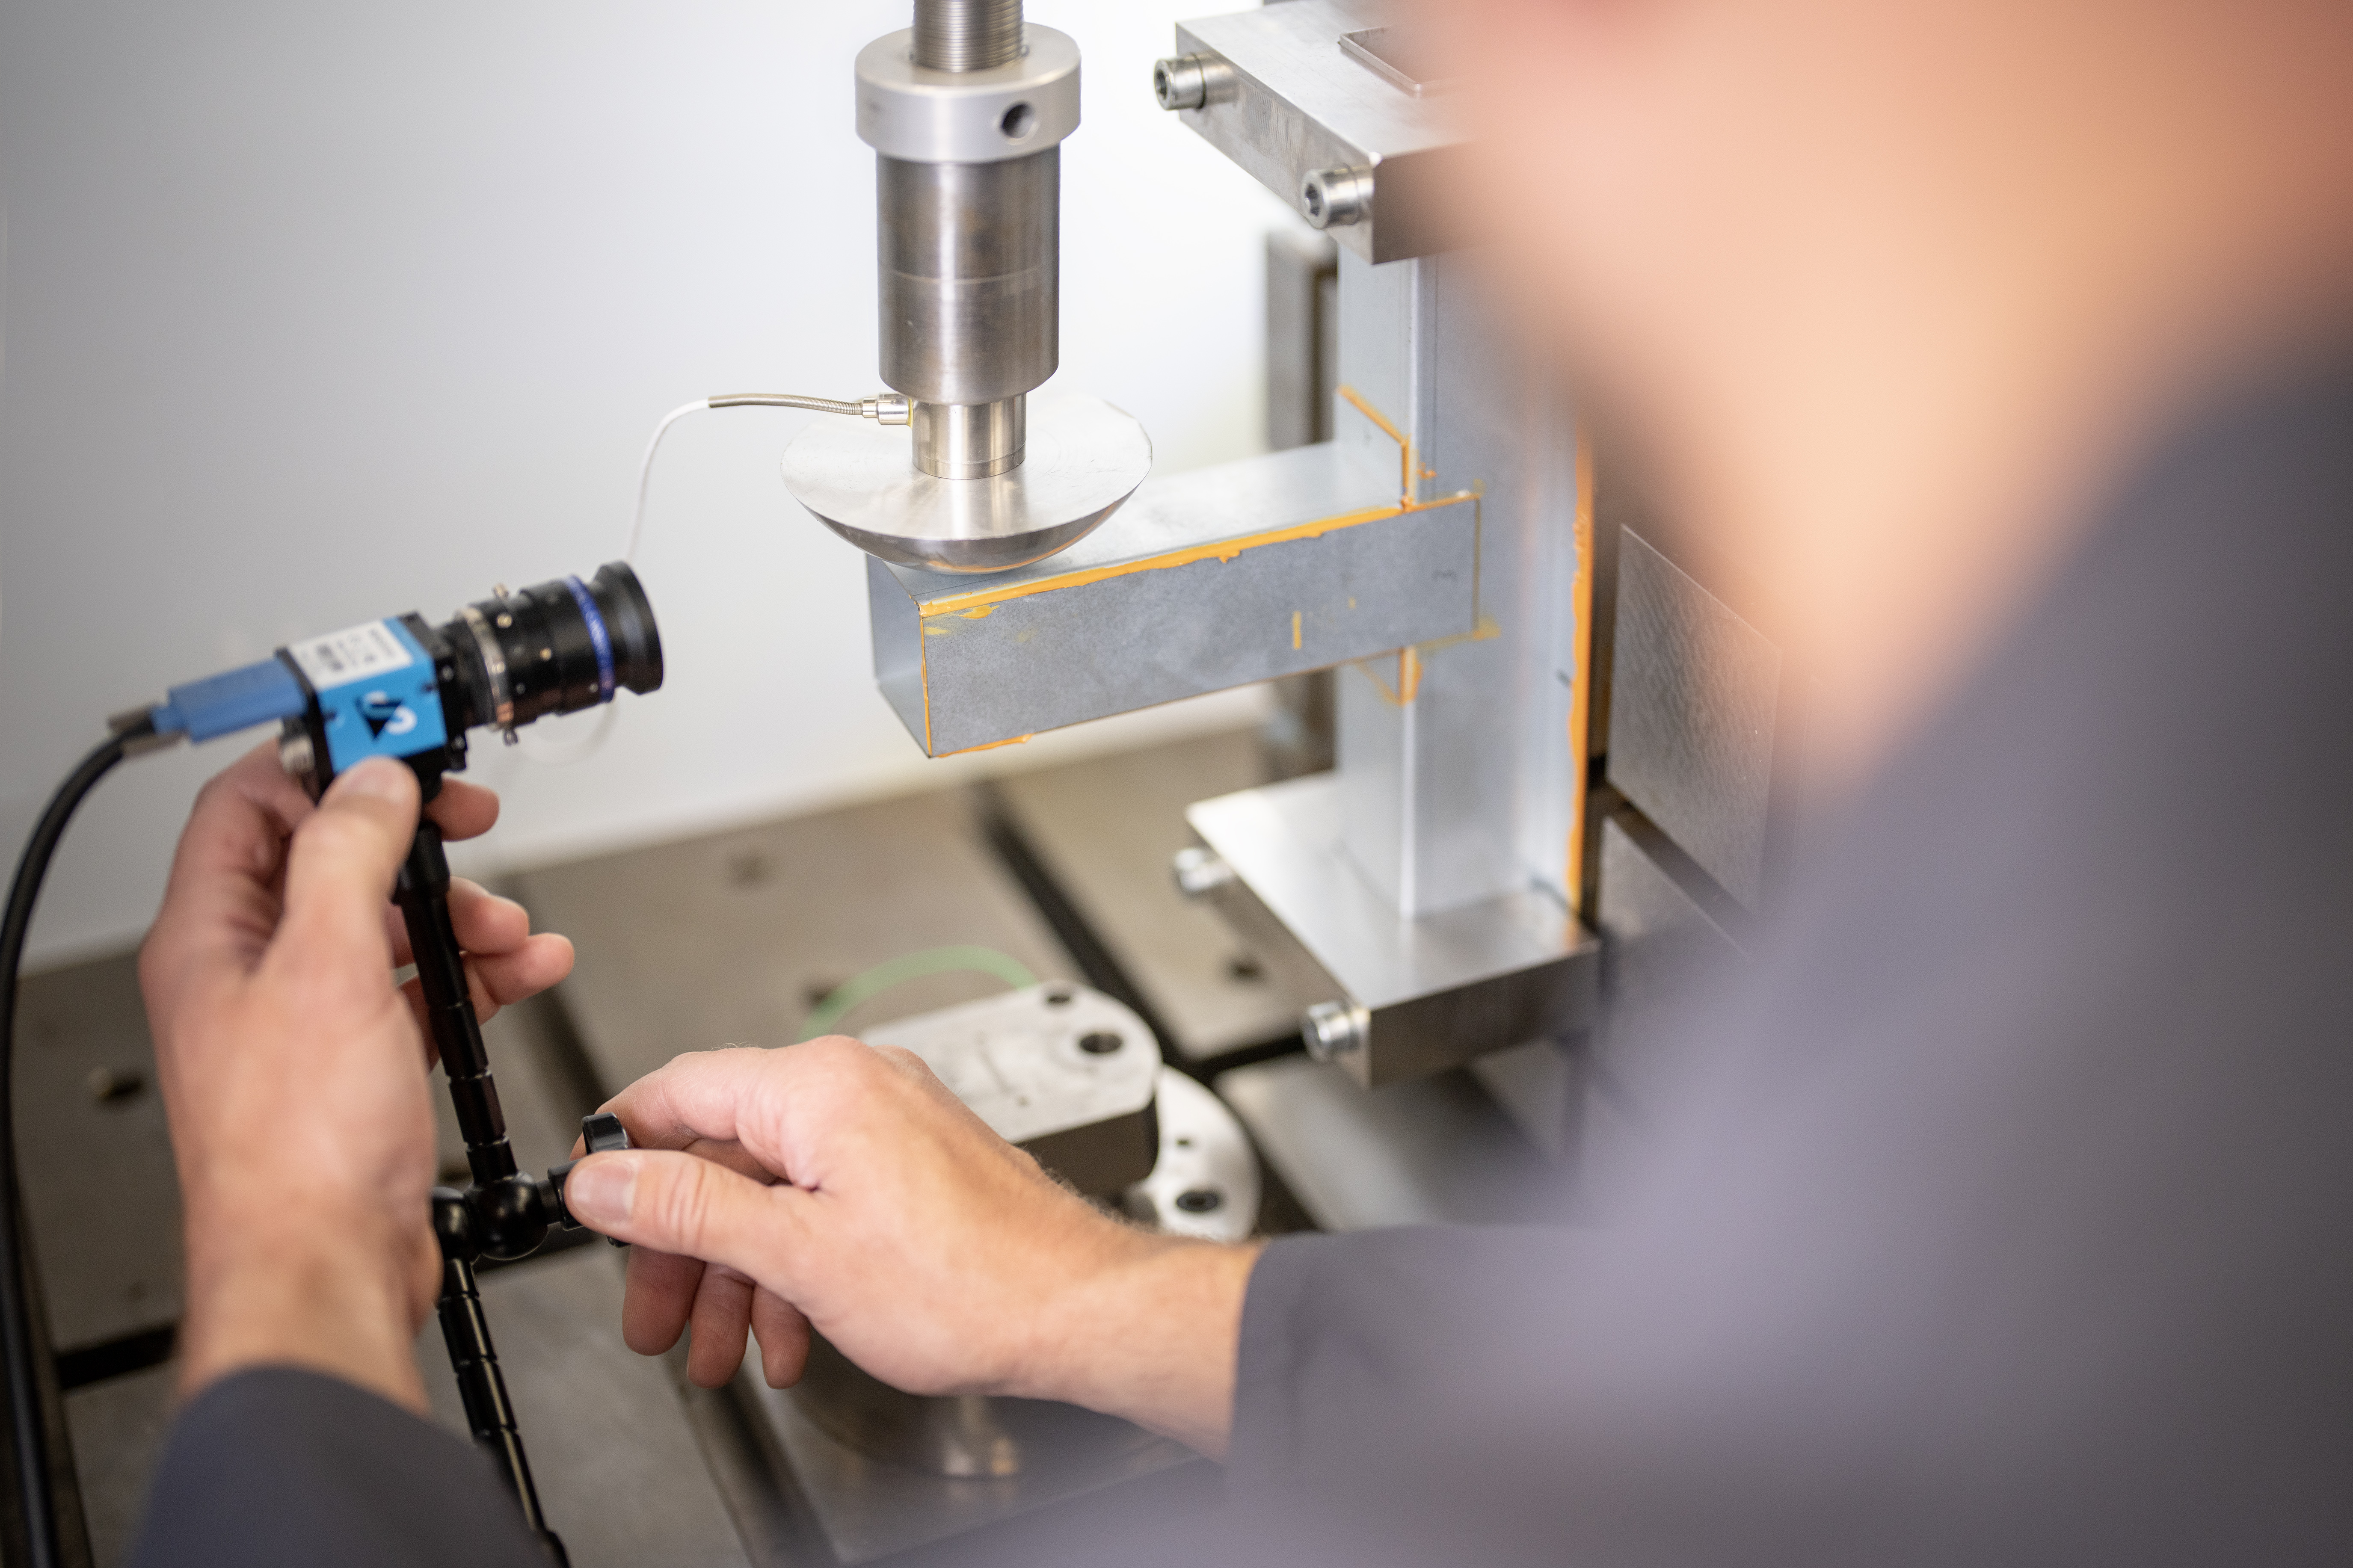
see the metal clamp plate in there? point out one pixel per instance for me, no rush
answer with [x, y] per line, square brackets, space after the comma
[1414, 995]
[1283, 98]
[1066, 1072]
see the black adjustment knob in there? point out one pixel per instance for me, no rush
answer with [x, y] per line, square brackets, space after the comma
[602, 1134]
[599, 1134]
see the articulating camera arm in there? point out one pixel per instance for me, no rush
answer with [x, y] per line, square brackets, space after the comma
[396, 687]
[503, 1214]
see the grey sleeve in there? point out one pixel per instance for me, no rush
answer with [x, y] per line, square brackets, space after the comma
[1347, 1339]
[278, 1466]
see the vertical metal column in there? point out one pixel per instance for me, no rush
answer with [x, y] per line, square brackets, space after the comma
[970, 265]
[971, 301]
[1457, 778]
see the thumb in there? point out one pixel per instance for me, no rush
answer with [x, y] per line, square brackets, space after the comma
[344, 857]
[683, 1204]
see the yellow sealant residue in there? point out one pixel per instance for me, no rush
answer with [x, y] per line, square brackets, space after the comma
[986, 746]
[1411, 661]
[1581, 696]
[1406, 468]
[962, 604]
[1486, 631]
[1405, 448]
[1294, 631]
[981, 614]
[924, 673]
[1408, 677]
[974, 606]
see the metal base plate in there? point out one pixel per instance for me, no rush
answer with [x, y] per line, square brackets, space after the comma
[1434, 1151]
[1067, 1073]
[884, 1471]
[1206, 1184]
[1104, 831]
[1083, 458]
[867, 1507]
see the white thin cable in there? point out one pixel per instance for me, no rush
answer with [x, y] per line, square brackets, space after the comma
[890, 409]
[646, 471]
[539, 749]
[551, 753]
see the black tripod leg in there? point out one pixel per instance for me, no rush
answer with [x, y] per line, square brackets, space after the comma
[489, 1414]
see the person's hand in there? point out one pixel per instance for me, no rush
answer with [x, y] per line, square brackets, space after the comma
[293, 1070]
[842, 1185]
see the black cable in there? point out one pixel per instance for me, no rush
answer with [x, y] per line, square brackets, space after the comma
[18, 1346]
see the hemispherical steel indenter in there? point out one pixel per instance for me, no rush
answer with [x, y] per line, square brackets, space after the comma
[966, 112]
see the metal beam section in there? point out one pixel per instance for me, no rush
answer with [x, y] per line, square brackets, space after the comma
[1426, 994]
[1460, 780]
[1284, 100]
[1250, 569]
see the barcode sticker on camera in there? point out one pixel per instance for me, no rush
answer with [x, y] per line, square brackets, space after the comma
[353, 654]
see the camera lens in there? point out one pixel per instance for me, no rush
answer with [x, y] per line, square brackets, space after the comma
[629, 622]
[555, 648]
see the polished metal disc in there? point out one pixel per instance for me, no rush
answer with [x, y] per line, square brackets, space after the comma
[1083, 458]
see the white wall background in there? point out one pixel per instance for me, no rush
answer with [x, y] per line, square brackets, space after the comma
[319, 312]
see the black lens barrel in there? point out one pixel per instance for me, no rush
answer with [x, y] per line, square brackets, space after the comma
[554, 648]
[629, 622]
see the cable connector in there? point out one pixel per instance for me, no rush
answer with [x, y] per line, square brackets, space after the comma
[890, 408]
[221, 704]
[139, 732]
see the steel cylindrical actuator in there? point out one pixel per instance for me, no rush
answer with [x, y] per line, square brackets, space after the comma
[970, 440]
[966, 111]
[971, 264]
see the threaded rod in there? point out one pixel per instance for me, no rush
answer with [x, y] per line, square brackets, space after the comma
[967, 35]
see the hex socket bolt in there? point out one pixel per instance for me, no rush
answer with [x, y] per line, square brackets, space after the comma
[1200, 872]
[1181, 82]
[1334, 198]
[1333, 1029]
